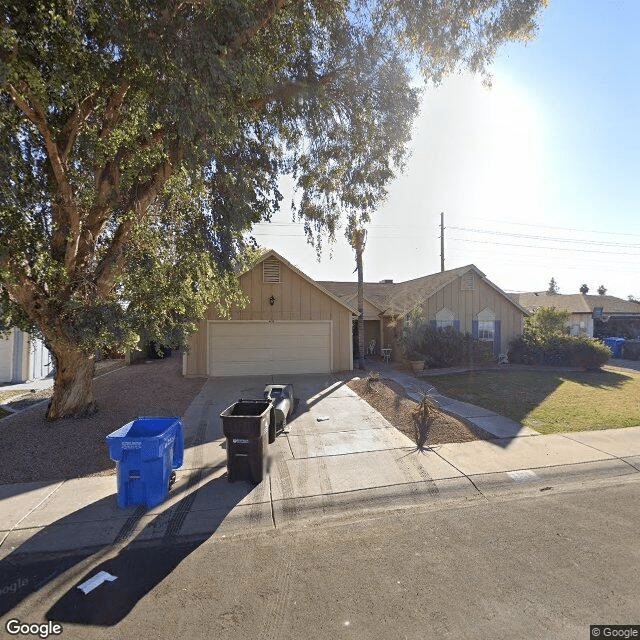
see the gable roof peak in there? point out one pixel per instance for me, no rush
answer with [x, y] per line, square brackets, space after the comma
[272, 253]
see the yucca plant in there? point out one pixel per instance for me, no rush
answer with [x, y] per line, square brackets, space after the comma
[424, 412]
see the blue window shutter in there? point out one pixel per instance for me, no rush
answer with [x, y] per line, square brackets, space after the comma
[433, 324]
[496, 338]
[456, 326]
[474, 328]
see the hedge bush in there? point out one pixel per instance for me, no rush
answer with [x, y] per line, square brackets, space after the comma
[567, 351]
[445, 347]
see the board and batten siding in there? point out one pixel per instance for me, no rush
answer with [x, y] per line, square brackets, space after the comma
[295, 299]
[465, 304]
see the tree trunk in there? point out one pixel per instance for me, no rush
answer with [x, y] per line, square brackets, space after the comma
[359, 246]
[73, 386]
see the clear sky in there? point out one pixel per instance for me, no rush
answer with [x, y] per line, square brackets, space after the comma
[538, 177]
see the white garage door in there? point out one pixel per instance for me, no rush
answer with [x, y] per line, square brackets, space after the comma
[256, 348]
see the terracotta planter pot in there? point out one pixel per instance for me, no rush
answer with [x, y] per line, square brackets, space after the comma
[417, 365]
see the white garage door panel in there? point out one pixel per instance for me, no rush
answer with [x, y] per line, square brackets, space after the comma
[300, 342]
[256, 348]
[242, 355]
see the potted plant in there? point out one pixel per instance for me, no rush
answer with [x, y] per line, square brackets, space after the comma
[416, 360]
[413, 338]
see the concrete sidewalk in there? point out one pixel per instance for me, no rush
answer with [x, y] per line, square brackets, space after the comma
[337, 458]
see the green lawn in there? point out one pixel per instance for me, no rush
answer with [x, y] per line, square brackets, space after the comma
[549, 401]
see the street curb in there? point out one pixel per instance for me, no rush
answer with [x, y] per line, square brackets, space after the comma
[344, 507]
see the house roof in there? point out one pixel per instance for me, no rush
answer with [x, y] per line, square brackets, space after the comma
[352, 299]
[271, 253]
[401, 297]
[576, 303]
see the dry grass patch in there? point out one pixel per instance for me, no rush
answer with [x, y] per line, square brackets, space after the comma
[425, 429]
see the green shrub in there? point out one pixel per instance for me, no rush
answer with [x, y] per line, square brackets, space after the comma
[563, 351]
[445, 347]
[545, 324]
[523, 351]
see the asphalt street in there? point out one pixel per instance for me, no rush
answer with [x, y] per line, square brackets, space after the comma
[540, 566]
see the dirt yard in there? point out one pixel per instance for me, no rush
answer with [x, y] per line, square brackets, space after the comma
[390, 399]
[36, 450]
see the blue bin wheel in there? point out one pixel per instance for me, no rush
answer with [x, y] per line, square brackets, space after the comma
[172, 479]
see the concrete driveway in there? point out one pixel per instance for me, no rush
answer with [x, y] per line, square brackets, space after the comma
[337, 452]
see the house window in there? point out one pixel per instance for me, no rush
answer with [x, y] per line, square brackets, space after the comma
[486, 329]
[468, 281]
[444, 318]
[486, 325]
[271, 271]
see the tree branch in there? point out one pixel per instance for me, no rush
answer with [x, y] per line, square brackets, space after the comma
[270, 8]
[140, 199]
[36, 114]
[288, 90]
[113, 109]
[74, 124]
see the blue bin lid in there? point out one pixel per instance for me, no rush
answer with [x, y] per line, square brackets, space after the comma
[144, 427]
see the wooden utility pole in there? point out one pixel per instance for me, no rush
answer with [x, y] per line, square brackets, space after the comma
[442, 241]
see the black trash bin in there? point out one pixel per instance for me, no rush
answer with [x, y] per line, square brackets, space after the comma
[281, 395]
[246, 427]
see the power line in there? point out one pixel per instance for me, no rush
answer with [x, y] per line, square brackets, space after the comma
[530, 246]
[543, 226]
[546, 238]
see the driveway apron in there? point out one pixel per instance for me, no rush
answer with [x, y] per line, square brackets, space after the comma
[336, 451]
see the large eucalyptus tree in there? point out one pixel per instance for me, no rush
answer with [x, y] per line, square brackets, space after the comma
[140, 140]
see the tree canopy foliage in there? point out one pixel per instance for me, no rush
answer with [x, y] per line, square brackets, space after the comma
[140, 141]
[545, 324]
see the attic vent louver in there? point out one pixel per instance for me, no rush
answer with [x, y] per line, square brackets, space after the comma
[468, 281]
[271, 270]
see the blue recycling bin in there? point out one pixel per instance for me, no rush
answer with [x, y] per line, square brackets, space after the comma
[146, 451]
[615, 344]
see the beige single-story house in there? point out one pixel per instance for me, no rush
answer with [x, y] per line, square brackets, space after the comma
[463, 298]
[291, 325]
[590, 315]
[23, 358]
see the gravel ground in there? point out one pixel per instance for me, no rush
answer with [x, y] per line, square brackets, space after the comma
[390, 399]
[23, 400]
[36, 450]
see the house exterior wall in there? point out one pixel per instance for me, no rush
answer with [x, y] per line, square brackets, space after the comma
[6, 357]
[465, 305]
[295, 299]
[372, 332]
[581, 324]
[23, 358]
[370, 311]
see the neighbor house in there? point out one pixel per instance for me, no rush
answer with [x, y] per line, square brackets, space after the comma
[23, 358]
[591, 316]
[462, 298]
[291, 325]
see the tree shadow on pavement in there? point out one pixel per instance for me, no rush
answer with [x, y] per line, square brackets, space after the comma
[138, 566]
